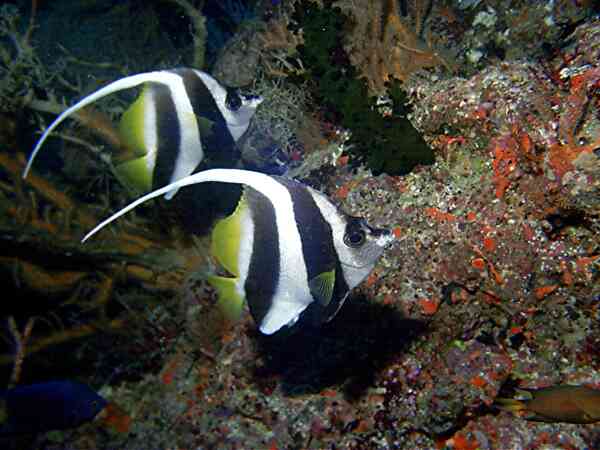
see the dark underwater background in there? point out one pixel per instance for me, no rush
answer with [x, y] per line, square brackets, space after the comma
[471, 128]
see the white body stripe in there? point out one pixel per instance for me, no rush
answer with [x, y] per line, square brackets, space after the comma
[190, 151]
[292, 294]
[150, 137]
[245, 250]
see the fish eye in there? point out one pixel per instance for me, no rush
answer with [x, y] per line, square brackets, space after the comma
[233, 101]
[354, 238]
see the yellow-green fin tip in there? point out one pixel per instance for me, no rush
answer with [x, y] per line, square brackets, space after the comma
[135, 175]
[131, 127]
[226, 235]
[321, 287]
[230, 302]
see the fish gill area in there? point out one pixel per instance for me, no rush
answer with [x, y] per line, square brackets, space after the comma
[471, 129]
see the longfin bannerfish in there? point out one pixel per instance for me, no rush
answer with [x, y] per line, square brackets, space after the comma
[287, 247]
[179, 114]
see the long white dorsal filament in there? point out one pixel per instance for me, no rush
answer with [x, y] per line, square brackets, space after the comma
[274, 191]
[119, 85]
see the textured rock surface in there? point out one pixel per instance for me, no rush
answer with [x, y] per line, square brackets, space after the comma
[493, 283]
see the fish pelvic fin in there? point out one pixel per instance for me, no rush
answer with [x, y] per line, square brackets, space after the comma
[231, 302]
[516, 407]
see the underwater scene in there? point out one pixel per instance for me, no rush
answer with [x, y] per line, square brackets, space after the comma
[299, 224]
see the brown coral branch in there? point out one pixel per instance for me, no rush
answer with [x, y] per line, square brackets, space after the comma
[66, 335]
[39, 235]
[200, 33]
[20, 340]
[31, 25]
[43, 280]
[385, 44]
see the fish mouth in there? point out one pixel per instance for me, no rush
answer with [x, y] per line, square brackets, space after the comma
[385, 238]
[357, 266]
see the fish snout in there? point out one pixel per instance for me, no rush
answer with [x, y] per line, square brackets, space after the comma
[384, 237]
[381, 236]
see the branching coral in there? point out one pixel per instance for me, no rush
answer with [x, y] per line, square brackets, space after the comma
[20, 69]
[387, 43]
[385, 142]
[285, 117]
[199, 30]
[20, 342]
[41, 227]
[278, 48]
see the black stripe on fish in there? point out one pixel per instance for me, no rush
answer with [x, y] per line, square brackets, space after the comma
[340, 291]
[263, 271]
[315, 233]
[168, 135]
[219, 143]
[317, 247]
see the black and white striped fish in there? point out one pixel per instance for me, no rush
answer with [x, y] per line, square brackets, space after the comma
[287, 247]
[178, 115]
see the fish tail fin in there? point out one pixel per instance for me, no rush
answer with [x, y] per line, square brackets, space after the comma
[230, 302]
[119, 85]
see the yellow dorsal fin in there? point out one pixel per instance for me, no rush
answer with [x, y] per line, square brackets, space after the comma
[226, 237]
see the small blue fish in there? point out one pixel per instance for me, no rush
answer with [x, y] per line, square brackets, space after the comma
[53, 405]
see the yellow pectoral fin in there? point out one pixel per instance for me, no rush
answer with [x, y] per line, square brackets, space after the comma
[321, 287]
[131, 127]
[226, 237]
[205, 126]
[230, 302]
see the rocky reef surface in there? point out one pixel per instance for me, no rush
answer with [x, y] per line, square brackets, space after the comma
[493, 283]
